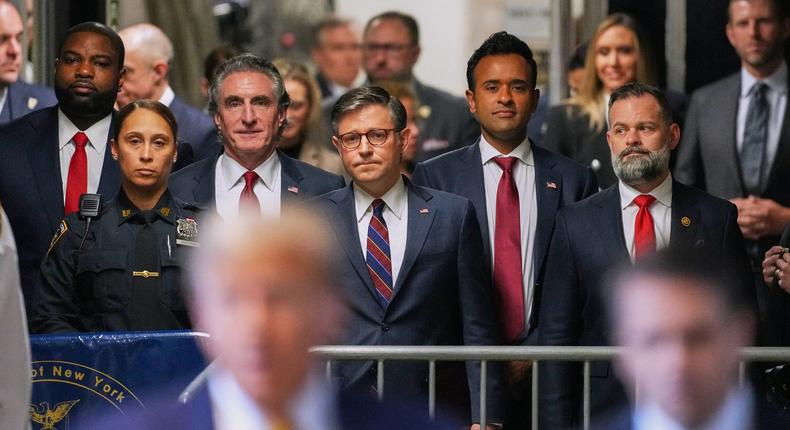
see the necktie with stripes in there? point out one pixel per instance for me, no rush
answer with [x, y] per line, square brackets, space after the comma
[378, 254]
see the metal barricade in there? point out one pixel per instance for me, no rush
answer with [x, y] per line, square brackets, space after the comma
[485, 354]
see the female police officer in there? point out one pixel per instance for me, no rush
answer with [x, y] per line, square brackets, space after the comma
[122, 271]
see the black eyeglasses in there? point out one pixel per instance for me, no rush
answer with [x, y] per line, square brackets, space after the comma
[375, 136]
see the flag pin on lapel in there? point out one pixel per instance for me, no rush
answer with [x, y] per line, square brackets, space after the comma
[32, 102]
[424, 211]
[293, 189]
[552, 185]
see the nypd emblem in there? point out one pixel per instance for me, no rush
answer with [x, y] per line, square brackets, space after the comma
[186, 232]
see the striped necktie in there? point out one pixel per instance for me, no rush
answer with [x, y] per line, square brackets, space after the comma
[378, 254]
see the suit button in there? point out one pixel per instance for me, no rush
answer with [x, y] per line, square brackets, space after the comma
[385, 328]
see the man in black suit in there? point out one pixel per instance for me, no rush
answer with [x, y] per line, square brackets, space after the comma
[390, 49]
[682, 321]
[337, 56]
[411, 263]
[263, 319]
[17, 98]
[646, 210]
[501, 76]
[249, 100]
[149, 54]
[43, 168]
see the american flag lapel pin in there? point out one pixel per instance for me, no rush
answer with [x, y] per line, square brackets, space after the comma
[293, 189]
[424, 211]
[552, 185]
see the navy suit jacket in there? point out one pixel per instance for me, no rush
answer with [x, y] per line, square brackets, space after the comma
[299, 180]
[588, 241]
[31, 188]
[354, 413]
[23, 98]
[449, 124]
[461, 172]
[442, 295]
[196, 128]
[764, 419]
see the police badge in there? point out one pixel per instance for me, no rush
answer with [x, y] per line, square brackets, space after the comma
[186, 232]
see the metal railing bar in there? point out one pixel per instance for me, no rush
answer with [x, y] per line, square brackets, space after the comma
[380, 379]
[432, 389]
[483, 395]
[328, 370]
[586, 395]
[535, 394]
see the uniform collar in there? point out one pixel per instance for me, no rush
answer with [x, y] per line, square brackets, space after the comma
[162, 209]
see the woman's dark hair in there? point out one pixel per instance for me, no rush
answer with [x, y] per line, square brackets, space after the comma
[151, 105]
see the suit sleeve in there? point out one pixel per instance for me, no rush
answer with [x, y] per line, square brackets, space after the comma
[734, 247]
[477, 310]
[560, 325]
[55, 304]
[689, 168]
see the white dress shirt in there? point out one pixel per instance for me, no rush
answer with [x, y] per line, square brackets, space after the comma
[167, 96]
[3, 95]
[98, 136]
[660, 210]
[314, 407]
[396, 215]
[776, 95]
[524, 176]
[736, 413]
[229, 183]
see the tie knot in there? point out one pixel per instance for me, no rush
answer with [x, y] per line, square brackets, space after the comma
[378, 206]
[506, 163]
[644, 200]
[250, 178]
[759, 88]
[80, 139]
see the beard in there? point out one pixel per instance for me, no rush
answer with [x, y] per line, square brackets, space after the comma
[640, 170]
[93, 105]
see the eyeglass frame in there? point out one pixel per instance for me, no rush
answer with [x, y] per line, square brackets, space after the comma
[339, 137]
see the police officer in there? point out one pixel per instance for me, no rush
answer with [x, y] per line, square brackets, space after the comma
[120, 269]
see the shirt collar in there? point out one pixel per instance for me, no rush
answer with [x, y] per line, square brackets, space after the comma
[3, 95]
[523, 152]
[167, 96]
[127, 210]
[233, 172]
[776, 81]
[735, 412]
[662, 193]
[394, 199]
[97, 133]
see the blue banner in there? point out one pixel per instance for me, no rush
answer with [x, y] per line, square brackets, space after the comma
[79, 377]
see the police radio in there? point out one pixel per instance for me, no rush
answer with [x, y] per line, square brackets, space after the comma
[90, 206]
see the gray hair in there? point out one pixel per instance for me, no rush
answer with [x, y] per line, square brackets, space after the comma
[248, 63]
[362, 97]
[149, 41]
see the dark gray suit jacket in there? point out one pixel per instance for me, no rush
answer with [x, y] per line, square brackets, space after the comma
[449, 124]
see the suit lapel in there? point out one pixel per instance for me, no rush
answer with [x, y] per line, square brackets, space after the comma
[345, 225]
[45, 159]
[418, 225]
[729, 110]
[610, 223]
[110, 181]
[290, 178]
[782, 157]
[548, 189]
[475, 190]
[685, 218]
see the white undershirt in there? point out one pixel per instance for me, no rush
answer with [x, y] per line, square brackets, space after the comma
[660, 210]
[776, 95]
[97, 135]
[229, 183]
[524, 176]
[396, 217]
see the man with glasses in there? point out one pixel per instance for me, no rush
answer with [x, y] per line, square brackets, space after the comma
[337, 57]
[430, 290]
[390, 49]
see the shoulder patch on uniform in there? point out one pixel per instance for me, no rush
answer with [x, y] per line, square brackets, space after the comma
[62, 229]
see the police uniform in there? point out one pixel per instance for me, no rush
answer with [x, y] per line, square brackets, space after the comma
[125, 274]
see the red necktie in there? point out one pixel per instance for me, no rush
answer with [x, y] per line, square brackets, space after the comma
[644, 233]
[248, 200]
[507, 253]
[77, 181]
[377, 256]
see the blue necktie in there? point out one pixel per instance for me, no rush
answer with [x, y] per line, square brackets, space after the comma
[755, 137]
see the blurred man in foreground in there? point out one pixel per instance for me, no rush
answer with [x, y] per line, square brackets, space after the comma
[683, 320]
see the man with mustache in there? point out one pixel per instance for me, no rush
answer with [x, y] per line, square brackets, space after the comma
[54, 155]
[644, 211]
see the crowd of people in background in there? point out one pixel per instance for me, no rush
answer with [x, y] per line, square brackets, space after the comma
[644, 218]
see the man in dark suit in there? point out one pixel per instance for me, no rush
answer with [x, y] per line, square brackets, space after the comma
[17, 98]
[740, 150]
[682, 321]
[646, 210]
[501, 76]
[263, 319]
[249, 98]
[337, 56]
[149, 54]
[390, 49]
[46, 164]
[431, 289]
